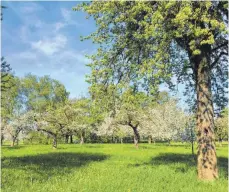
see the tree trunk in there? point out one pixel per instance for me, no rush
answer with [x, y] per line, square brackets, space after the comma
[81, 139]
[2, 139]
[54, 144]
[206, 156]
[135, 141]
[66, 138]
[193, 155]
[136, 137]
[220, 142]
[121, 140]
[71, 139]
[169, 142]
[149, 139]
[13, 141]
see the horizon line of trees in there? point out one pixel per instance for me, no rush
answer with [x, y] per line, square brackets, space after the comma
[37, 110]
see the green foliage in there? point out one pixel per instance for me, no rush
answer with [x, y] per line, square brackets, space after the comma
[43, 92]
[35, 137]
[10, 99]
[146, 43]
[221, 126]
[6, 76]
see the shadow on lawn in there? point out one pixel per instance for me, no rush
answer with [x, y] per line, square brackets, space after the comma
[44, 166]
[185, 161]
[8, 147]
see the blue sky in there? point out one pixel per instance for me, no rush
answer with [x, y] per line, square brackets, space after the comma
[43, 38]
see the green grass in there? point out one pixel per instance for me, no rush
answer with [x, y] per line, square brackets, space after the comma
[106, 168]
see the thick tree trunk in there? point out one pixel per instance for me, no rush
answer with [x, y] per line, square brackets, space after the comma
[149, 139]
[121, 140]
[54, 144]
[206, 156]
[71, 139]
[66, 138]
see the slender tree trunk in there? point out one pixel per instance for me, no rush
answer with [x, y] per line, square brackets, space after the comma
[149, 139]
[135, 141]
[206, 156]
[220, 142]
[66, 138]
[121, 140]
[13, 141]
[54, 144]
[81, 139]
[71, 139]
[136, 137]
[169, 142]
[2, 139]
[193, 155]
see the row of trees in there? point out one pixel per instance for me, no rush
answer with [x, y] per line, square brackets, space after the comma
[38, 108]
[41, 104]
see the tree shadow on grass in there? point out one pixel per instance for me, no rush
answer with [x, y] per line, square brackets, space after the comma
[8, 147]
[45, 166]
[183, 162]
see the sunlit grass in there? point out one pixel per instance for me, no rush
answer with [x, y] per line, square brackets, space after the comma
[106, 168]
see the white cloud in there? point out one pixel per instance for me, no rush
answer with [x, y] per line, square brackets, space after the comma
[58, 26]
[27, 55]
[67, 16]
[50, 46]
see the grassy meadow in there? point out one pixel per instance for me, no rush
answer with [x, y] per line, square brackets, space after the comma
[106, 168]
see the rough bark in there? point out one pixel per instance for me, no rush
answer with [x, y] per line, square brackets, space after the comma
[54, 144]
[206, 156]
